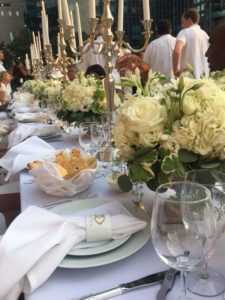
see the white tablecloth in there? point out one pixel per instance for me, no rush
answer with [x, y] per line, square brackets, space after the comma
[68, 284]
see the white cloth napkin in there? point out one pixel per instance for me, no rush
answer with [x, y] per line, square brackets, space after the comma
[29, 116]
[38, 240]
[23, 131]
[17, 157]
[4, 129]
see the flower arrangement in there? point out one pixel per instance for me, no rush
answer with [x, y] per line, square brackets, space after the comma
[43, 89]
[83, 100]
[168, 131]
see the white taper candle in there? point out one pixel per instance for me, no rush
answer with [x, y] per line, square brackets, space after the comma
[60, 9]
[66, 13]
[79, 30]
[92, 9]
[146, 9]
[73, 29]
[120, 15]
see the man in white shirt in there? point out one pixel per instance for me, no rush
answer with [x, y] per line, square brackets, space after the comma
[191, 46]
[158, 54]
[2, 68]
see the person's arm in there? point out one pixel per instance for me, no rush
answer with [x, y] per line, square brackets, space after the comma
[131, 62]
[176, 57]
[2, 96]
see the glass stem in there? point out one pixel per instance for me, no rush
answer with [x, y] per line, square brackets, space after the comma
[184, 281]
[204, 270]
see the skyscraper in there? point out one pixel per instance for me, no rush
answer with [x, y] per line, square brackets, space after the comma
[11, 19]
[171, 10]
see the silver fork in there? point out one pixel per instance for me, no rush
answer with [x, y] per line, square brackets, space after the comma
[55, 203]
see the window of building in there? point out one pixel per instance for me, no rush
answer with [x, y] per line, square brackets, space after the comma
[2, 13]
[17, 13]
[11, 36]
[10, 13]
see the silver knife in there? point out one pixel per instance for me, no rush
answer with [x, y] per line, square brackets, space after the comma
[167, 284]
[126, 287]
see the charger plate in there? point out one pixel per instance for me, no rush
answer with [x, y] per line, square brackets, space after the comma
[129, 247]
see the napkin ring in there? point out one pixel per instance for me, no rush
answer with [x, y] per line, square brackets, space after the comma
[98, 228]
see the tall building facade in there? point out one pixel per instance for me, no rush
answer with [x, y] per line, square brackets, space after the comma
[33, 15]
[11, 19]
[171, 10]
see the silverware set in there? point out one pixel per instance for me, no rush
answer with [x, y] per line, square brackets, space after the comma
[166, 277]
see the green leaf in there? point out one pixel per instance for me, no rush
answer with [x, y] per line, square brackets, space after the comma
[124, 183]
[153, 184]
[168, 165]
[172, 164]
[163, 152]
[210, 165]
[163, 178]
[187, 156]
[196, 86]
[180, 170]
[138, 173]
[142, 152]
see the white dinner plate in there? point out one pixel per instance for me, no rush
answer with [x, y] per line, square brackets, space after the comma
[133, 244]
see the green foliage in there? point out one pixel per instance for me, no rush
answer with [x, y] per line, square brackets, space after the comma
[124, 183]
[78, 117]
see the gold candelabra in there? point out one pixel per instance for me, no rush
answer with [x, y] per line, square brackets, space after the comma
[110, 48]
[49, 61]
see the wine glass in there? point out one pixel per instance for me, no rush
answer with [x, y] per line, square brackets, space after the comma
[96, 135]
[86, 137]
[183, 226]
[207, 281]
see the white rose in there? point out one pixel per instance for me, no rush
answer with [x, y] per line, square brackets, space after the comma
[144, 114]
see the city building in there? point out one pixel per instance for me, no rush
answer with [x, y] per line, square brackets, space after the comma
[11, 19]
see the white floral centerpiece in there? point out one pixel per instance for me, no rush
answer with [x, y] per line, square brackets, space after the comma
[43, 89]
[83, 100]
[178, 127]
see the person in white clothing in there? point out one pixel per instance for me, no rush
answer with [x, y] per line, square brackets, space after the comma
[91, 57]
[191, 46]
[5, 89]
[158, 54]
[2, 68]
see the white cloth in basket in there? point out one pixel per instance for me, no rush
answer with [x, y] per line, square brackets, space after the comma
[38, 240]
[17, 157]
[49, 179]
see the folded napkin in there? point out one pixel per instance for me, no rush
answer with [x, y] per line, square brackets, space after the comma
[23, 131]
[26, 109]
[3, 115]
[4, 129]
[38, 240]
[23, 97]
[17, 157]
[29, 116]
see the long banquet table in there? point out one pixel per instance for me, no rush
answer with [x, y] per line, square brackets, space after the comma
[68, 284]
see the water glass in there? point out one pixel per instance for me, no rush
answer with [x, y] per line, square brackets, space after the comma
[183, 226]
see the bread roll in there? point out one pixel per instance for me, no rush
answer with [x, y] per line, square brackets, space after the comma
[33, 165]
[63, 172]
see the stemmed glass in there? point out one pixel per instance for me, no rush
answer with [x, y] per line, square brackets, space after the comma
[207, 281]
[90, 137]
[183, 226]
